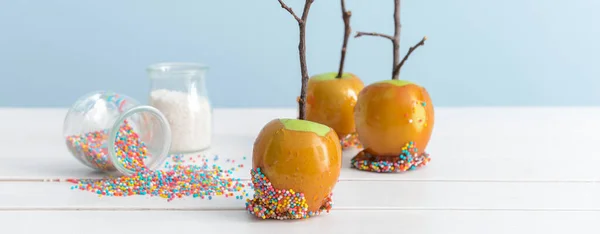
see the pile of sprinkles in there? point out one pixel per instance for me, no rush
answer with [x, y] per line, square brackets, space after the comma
[351, 140]
[177, 180]
[93, 148]
[408, 160]
[198, 180]
[272, 203]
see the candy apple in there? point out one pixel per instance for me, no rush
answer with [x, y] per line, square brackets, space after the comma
[392, 113]
[299, 155]
[394, 118]
[332, 96]
[331, 101]
[295, 162]
[394, 122]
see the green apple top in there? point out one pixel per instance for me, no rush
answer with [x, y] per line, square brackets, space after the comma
[396, 82]
[330, 76]
[305, 126]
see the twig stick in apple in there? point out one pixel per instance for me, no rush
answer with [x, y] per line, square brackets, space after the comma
[360, 34]
[346, 17]
[397, 68]
[302, 52]
[395, 39]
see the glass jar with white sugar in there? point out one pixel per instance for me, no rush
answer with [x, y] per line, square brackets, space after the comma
[178, 90]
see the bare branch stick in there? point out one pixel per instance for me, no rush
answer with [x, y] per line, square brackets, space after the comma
[302, 53]
[289, 9]
[410, 50]
[306, 8]
[303, 69]
[360, 34]
[396, 40]
[346, 17]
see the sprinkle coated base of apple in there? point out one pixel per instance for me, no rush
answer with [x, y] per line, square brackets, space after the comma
[394, 122]
[407, 161]
[296, 164]
[281, 204]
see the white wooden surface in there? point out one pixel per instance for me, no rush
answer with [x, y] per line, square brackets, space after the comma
[493, 170]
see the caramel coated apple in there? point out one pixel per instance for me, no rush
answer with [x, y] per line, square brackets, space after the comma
[390, 114]
[301, 156]
[331, 101]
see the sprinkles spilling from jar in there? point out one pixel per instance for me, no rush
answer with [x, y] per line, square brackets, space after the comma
[177, 180]
[92, 147]
[272, 203]
[408, 160]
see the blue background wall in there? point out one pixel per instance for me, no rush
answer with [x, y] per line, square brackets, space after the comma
[510, 52]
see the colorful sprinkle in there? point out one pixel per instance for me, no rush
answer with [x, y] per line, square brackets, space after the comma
[351, 140]
[197, 181]
[272, 203]
[176, 181]
[408, 160]
[130, 150]
[93, 148]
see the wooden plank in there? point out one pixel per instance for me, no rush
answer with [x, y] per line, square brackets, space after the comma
[469, 144]
[347, 195]
[343, 221]
[483, 160]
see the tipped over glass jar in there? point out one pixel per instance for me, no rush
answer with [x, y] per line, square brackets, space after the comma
[178, 90]
[111, 132]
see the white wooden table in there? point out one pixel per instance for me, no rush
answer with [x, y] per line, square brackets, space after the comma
[493, 170]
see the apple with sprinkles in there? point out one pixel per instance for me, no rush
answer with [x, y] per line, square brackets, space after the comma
[394, 118]
[295, 162]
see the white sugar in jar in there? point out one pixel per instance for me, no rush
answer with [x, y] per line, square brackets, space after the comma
[178, 91]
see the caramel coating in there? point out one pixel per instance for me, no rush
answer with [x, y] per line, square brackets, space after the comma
[299, 160]
[388, 116]
[331, 102]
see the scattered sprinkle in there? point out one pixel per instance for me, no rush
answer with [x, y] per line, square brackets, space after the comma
[178, 180]
[272, 203]
[409, 159]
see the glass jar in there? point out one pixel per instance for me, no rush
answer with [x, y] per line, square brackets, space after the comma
[178, 90]
[111, 132]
